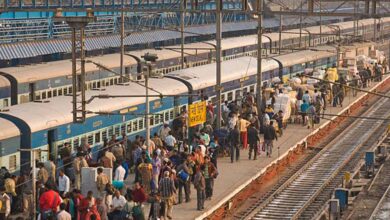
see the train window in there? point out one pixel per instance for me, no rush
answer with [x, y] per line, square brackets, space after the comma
[245, 90]
[135, 125]
[111, 82]
[157, 119]
[49, 94]
[98, 84]
[59, 92]
[38, 96]
[117, 130]
[70, 90]
[90, 139]
[230, 96]
[252, 88]
[141, 124]
[151, 120]
[97, 137]
[44, 95]
[129, 128]
[166, 116]
[12, 162]
[223, 98]
[107, 83]
[65, 91]
[162, 118]
[171, 114]
[110, 132]
[104, 135]
[76, 144]
[123, 128]
[55, 93]
[116, 81]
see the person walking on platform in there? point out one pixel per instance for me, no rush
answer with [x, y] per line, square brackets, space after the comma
[210, 173]
[253, 138]
[243, 131]
[167, 191]
[234, 139]
[200, 186]
[269, 137]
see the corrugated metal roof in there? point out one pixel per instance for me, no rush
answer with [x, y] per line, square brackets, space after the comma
[37, 48]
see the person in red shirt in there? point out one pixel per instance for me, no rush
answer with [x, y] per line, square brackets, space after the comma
[138, 193]
[49, 201]
[86, 204]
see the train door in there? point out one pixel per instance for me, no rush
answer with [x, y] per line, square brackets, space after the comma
[51, 141]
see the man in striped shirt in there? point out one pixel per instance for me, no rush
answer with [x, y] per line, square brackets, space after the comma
[167, 190]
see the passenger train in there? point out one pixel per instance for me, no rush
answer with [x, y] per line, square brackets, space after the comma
[48, 125]
[43, 81]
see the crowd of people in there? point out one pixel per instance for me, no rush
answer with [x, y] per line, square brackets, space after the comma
[165, 166]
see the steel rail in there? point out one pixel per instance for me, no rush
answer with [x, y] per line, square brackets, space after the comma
[355, 144]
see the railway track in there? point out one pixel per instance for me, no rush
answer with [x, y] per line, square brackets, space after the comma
[304, 194]
[382, 209]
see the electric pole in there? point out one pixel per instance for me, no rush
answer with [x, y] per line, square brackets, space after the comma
[218, 59]
[259, 76]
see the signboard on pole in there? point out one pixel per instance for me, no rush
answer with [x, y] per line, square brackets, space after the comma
[197, 113]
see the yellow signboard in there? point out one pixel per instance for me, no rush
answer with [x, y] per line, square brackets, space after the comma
[197, 113]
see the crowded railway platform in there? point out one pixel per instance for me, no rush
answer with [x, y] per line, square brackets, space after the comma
[136, 188]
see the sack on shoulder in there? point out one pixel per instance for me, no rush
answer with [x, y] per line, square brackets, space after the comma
[110, 189]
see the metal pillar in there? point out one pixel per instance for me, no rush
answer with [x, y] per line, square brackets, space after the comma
[122, 46]
[78, 83]
[375, 30]
[147, 111]
[320, 22]
[373, 7]
[280, 31]
[182, 14]
[259, 76]
[218, 60]
[33, 180]
[367, 7]
[300, 27]
[74, 75]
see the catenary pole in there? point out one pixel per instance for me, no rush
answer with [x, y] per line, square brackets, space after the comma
[259, 78]
[218, 60]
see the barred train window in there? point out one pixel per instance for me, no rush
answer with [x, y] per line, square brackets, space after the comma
[97, 137]
[104, 135]
[90, 139]
[129, 128]
[12, 162]
[135, 125]
[141, 124]
[117, 130]
[110, 132]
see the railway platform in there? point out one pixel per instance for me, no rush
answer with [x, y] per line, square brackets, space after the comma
[233, 177]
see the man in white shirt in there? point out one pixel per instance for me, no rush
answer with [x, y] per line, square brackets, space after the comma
[117, 204]
[63, 183]
[120, 173]
[170, 141]
[164, 130]
[63, 214]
